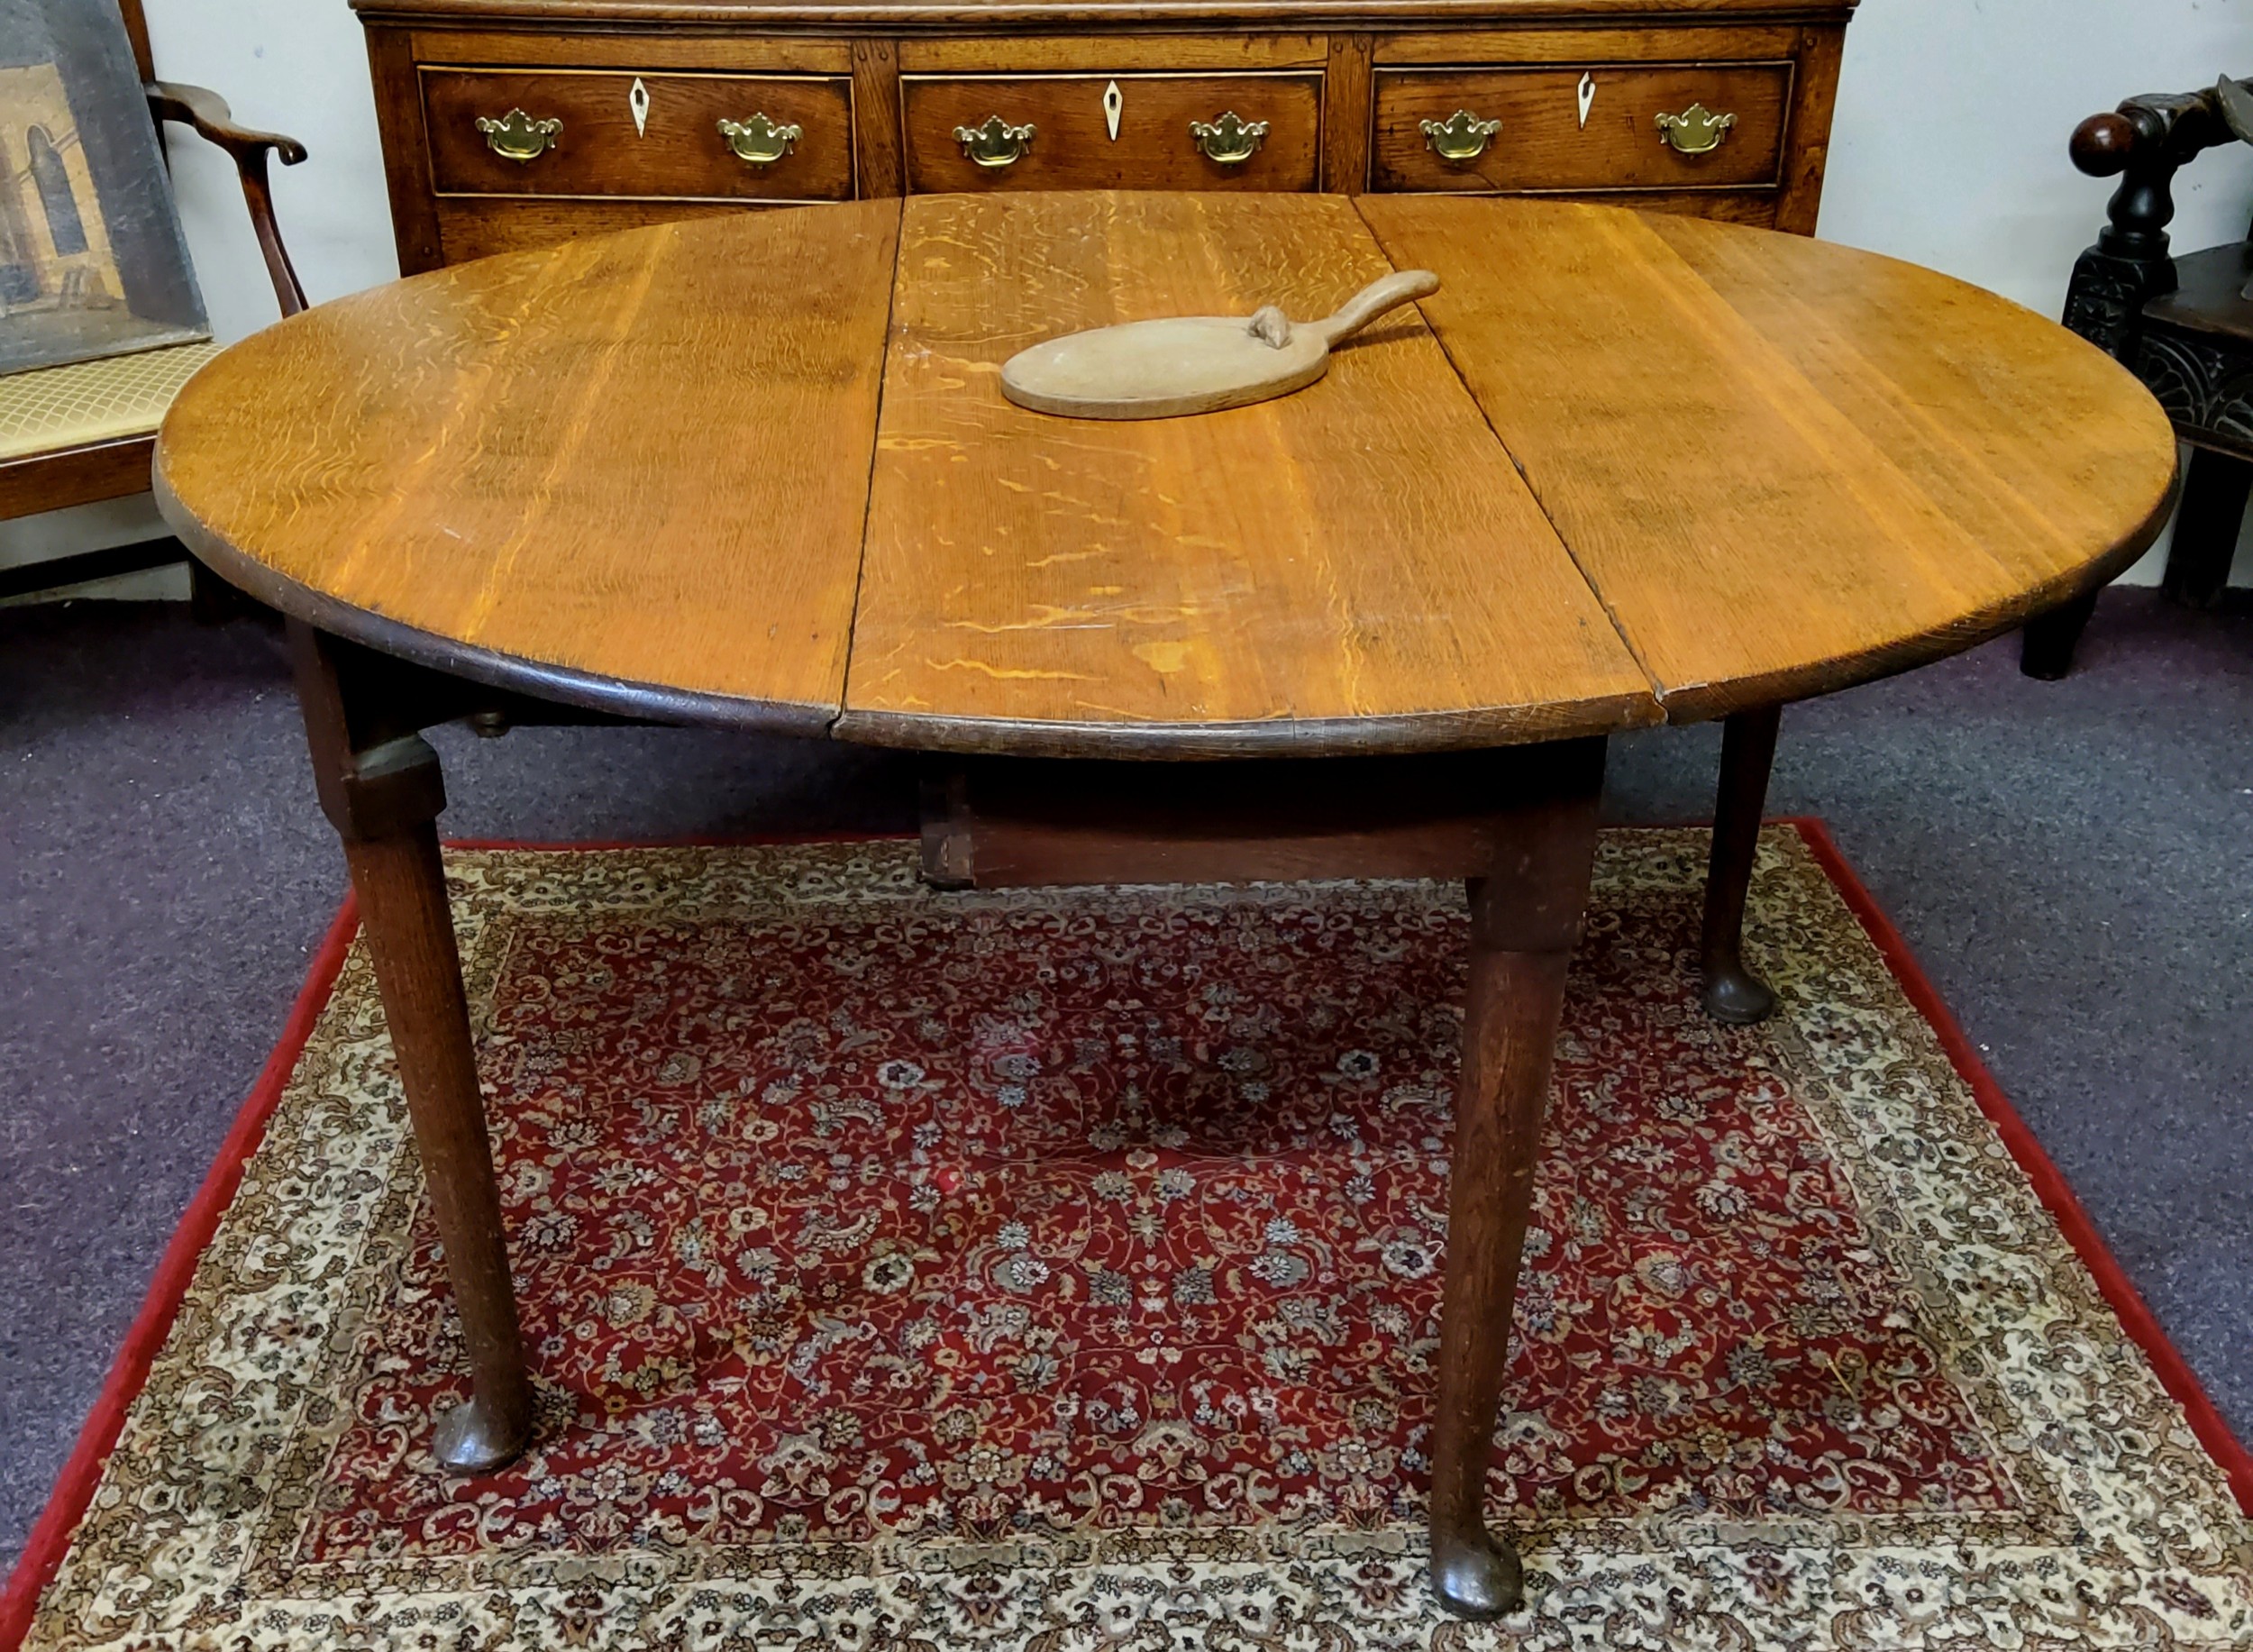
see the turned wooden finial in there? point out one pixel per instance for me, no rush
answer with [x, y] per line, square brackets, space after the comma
[2101, 144]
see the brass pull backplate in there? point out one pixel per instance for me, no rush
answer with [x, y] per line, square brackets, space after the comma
[995, 143]
[758, 141]
[517, 137]
[1462, 137]
[1228, 141]
[1696, 131]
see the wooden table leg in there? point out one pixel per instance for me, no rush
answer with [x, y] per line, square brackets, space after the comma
[380, 787]
[1525, 916]
[1732, 993]
[2046, 646]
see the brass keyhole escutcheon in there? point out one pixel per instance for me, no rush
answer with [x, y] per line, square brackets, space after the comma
[1696, 131]
[1461, 138]
[516, 136]
[1228, 141]
[760, 142]
[994, 142]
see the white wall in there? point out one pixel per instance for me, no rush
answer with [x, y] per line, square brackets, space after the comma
[1949, 149]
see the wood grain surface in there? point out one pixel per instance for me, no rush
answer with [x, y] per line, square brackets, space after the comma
[645, 473]
[1355, 565]
[487, 226]
[1345, 118]
[1112, 53]
[786, 54]
[77, 476]
[876, 116]
[1036, 15]
[1590, 44]
[1807, 139]
[629, 471]
[1786, 465]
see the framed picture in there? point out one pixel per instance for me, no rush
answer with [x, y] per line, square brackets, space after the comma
[92, 261]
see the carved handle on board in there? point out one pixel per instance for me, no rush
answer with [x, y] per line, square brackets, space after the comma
[1228, 141]
[994, 142]
[517, 137]
[1696, 131]
[1459, 139]
[1384, 293]
[758, 141]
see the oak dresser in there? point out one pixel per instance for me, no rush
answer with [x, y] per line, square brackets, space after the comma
[511, 123]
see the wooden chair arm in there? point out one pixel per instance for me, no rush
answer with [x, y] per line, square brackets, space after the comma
[206, 114]
[2143, 142]
[206, 111]
[2152, 131]
[2148, 138]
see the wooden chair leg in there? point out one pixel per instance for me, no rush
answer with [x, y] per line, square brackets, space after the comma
[1733, 993]
[1524, 919]
[2215, 488]
[381, 789]
[2046, 646]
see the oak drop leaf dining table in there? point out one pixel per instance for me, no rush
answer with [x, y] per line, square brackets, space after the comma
[757, 472]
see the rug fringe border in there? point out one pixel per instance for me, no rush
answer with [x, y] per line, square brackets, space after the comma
[49, 1539]
[2049, 1183]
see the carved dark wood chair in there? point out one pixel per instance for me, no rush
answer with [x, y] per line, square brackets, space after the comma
[74, 434]
[2184, 325]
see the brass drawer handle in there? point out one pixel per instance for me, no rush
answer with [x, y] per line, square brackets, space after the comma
[1228, 141]
[758, 141]
[517, 137]
[1462, 137]
[996, 142]
[1696, 131]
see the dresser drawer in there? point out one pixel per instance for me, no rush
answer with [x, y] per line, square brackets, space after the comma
[1521, 130]
[592, 133]
[1054, 131]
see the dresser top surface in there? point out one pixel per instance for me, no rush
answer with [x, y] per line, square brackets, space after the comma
[757, 470]
[1071, 15]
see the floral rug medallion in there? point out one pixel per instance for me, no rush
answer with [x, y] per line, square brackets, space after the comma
[1060, 1270]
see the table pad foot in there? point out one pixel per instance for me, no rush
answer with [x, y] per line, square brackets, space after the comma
[1733, 994]
[1476, 1574]
[1737, 997]
[472, 1438]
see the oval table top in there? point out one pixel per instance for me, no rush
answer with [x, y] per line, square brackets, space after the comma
[758, 470]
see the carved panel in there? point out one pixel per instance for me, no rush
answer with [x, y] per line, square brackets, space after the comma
[2206, 390]
[2102, 303]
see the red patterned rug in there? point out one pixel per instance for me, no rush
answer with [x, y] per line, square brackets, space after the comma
[1062, 1269]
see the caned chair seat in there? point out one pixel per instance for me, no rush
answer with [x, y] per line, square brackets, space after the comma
[53, 409]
